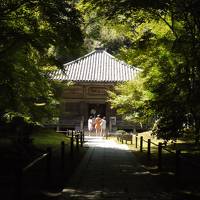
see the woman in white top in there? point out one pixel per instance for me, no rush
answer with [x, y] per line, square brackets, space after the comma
[103, 126]
[90, 125]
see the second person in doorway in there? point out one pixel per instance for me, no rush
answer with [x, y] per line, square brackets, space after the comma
[98, 125]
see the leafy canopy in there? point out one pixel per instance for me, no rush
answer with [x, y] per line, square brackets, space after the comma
[32, 34]
[165, 43]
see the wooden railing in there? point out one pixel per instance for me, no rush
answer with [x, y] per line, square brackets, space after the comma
[138, 142]
[76, 137]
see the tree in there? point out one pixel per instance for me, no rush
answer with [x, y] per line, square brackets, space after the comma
[32, 33]
[99, 32]
[170, 62]
[130, 101]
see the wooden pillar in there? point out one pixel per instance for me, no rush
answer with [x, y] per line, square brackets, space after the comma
[160, 156]
[107, 111]
[82, 103]
[141, 143]
[71, 146]
[149, 148]
[136, 141]
[77, 142]
[83, 113]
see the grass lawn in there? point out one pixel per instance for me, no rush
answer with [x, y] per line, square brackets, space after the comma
[48, 138]
[35, 179]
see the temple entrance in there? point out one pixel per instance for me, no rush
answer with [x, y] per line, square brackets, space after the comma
[95, 109]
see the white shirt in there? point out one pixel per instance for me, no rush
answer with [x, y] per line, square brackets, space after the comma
[103, 124]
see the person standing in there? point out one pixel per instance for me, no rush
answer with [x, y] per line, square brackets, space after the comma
[103, 126]
[90, 125]
[97, 125]
[93, 122]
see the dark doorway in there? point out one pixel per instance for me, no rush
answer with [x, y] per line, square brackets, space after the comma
[95, 109]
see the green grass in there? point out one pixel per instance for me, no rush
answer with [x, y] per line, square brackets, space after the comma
[48, 138]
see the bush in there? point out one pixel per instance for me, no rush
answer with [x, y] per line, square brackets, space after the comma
[167, 129]
[19, 127]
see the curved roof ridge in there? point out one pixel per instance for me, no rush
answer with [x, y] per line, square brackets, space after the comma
[73, 61]
[123, 62]
[109, 54]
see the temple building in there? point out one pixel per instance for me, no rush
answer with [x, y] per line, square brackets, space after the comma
[92, 76]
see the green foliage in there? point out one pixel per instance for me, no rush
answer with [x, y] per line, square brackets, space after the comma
[129, 100]
[167, 128]
[32, 34]
[18, 126]
[101, 32]
[165, 43]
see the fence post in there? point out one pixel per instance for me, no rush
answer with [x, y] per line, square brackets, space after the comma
[141, 143]
[178, 153]
[132, 139]
[62, 155]
[83, 135]
[72, 133]
[149, 148]
[136, 141]
[160, 156]
[77, 142]
[81, 138]
[48, 164]
[71, 146]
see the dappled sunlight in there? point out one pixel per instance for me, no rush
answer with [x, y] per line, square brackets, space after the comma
[95, 194]
[123, 194]
[142, 173]
[110, 171]
[51, 194]
[82, 194]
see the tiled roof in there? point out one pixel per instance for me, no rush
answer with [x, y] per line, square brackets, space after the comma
[97, 66]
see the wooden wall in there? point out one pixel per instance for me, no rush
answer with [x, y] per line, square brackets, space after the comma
[77, 99]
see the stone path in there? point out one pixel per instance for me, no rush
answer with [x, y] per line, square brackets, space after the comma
[110, 171]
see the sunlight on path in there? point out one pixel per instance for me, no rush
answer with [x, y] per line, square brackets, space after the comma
[103, 143]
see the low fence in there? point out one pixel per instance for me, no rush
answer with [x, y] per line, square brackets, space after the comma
[74, 136]
[160, 149]
[138, 142]
[76, 141]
